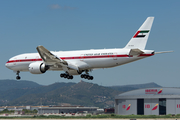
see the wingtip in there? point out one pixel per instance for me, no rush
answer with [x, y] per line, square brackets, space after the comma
[39, 45]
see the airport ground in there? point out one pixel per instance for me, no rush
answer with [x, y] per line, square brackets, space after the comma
[95, 119]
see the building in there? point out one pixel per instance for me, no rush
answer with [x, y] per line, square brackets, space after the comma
[149, 101]
[66, 109]
[19, 108]
[109, 110]
[54, 109]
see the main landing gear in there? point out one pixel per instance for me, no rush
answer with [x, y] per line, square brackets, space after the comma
[64, 75]
[86, 76]
[18, 77]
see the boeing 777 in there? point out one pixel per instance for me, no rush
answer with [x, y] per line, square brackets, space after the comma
[83, 61]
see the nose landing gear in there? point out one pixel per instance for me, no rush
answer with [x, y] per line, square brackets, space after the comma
[18, 77]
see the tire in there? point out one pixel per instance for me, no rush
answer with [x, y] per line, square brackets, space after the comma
[85, 76]
[68, 77]
[18, 77]
[61, 75]
[89, 77]
[65, 76]
[82, 76]
[71, 77]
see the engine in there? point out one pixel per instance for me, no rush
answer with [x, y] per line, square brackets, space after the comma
[38, 68]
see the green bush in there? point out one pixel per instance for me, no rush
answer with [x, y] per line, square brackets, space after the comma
[88, 115]
[41, 116]
[112, 115]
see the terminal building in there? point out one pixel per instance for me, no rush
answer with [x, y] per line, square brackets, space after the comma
[54, 109]
[66, 109]
[149, 101]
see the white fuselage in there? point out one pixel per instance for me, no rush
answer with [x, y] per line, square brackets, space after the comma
[84, 59]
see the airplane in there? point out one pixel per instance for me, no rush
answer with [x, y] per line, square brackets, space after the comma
[81, 62]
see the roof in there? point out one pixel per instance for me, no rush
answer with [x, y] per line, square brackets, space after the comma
[150, 93]
[69, 108]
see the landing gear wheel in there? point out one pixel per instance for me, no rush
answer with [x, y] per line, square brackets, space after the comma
[18, 77]
[86, 76]
[63, 75]
[68, 77]
[71, 77]
[82, 76]
[91, 77]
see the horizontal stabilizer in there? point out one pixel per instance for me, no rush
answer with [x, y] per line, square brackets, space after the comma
[163, 52]
[135, 52]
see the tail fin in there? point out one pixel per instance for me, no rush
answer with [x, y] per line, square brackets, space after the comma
[139, 40]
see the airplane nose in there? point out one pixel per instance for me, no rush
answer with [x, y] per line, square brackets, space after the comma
[7, 65]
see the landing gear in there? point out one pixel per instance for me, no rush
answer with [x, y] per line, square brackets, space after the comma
[18, 77]
[64, 75]
[86, 76]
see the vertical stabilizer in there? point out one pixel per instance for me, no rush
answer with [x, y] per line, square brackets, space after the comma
[139, 40]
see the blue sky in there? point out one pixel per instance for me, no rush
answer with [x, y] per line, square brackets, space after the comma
[62, 25]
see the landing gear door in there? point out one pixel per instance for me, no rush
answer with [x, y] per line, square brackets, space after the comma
[115, 56]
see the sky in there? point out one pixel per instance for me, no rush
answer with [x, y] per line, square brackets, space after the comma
[63, 25]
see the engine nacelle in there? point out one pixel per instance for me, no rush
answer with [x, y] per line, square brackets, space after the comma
[38, 68]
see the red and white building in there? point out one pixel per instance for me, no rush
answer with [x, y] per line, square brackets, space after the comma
[148, 101]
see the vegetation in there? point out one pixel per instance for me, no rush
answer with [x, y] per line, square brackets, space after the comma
[82, 93]
[6, 111]
[22, 93]
[14, 84]
[30, 111]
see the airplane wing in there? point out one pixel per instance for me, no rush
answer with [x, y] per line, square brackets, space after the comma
[48, 57]
[53, 60]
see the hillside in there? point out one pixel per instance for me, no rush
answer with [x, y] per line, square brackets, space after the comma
[13, 84]
[82, 93]
[18, 93]
[19, 90]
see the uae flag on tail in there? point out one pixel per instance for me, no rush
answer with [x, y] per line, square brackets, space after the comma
[141, 34]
